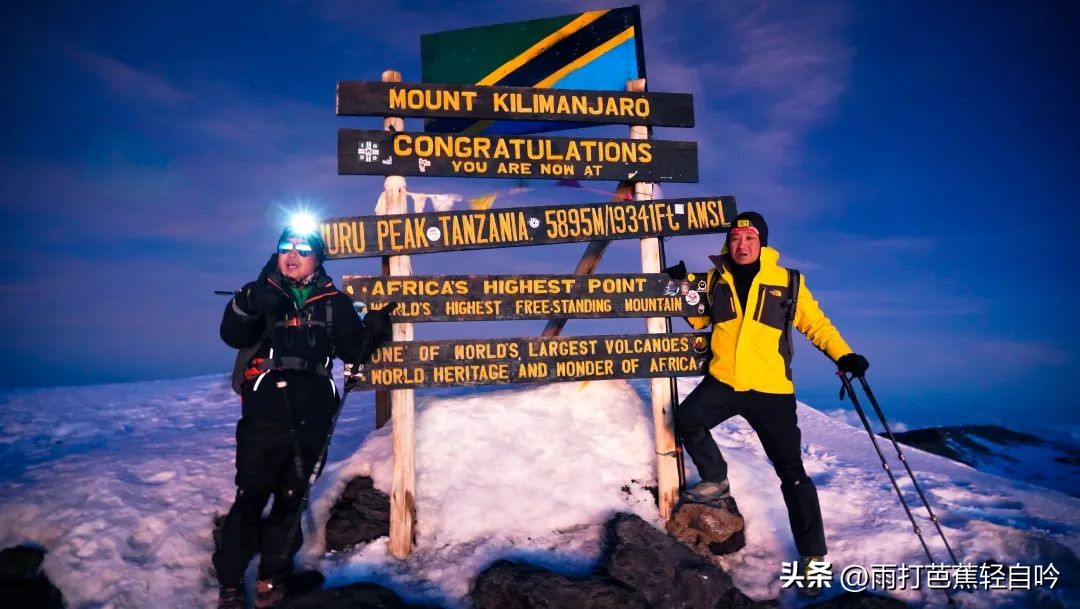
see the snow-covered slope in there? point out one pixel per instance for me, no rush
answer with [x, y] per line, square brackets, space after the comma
[120, 483]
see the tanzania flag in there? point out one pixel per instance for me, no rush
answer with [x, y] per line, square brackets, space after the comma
[597, 50]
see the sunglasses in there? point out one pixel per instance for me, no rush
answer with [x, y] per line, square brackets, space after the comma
[303, 249]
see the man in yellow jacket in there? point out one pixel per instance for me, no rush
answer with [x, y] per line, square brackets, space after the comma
[750, 298]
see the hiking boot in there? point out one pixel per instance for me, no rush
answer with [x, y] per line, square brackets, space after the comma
[815, 578]
[269, 593]
[708, 492]
[230, 597]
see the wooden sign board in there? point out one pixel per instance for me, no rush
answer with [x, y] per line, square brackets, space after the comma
[512, 297]
[457, 363]
[366, 152]
[368, 98]
[364, 236]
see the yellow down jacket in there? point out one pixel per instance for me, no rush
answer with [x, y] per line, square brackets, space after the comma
[752, 351]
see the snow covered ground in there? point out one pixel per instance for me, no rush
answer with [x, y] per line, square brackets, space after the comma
[120, 484]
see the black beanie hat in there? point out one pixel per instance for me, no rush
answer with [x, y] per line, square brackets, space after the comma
[313, 239]
[748, 219]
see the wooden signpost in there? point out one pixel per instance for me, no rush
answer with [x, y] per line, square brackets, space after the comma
[459, 363]
[403, 365]
[512, 297]
[367, 152]
[362, 236]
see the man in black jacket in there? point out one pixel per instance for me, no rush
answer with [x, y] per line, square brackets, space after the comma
[297, 322]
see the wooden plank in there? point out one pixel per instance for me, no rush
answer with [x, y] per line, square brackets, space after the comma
[367, 152]
[458, 363]
[427, 100]
[364, 236]
[425, 298]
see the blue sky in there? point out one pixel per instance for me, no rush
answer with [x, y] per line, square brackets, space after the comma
[917, 161]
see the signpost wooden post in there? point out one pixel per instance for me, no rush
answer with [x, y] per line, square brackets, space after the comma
[667, 469]
[402, 504]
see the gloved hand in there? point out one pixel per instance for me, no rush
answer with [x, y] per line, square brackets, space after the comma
[378, 323]
[677, 272]
[354, 373]
[853, 364]
[245, 298]
[259, 297]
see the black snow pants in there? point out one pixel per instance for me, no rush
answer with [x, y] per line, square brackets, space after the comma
[266, 466]
[772, 417]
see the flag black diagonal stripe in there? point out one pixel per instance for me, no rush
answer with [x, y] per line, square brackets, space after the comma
[552, 59]
[568, 49]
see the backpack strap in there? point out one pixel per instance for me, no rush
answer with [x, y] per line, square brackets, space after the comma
[792, 304]
[714, 278]
[288, 362]
[330, 324]
[793, 294]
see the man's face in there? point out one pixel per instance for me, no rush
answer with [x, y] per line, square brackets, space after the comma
[291, 264]
[744, 247]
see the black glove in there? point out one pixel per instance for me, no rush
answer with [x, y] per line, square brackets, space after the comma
[853, 364]
[264, 297]
[354, 374]
[245, 298]
[377, 322]
[677, 272]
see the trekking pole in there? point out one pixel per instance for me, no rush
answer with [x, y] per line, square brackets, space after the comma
[298, 460]
[850, 391]
[315, 472]
[900, 454]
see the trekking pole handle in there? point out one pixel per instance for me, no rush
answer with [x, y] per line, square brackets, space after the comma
[845, 382]
[226, 292]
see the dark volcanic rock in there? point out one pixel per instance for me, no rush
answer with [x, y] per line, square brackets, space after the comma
[708, 529]
[20, 562]
[23, 584]
[353, 596]
[1046, 461]
[960, 443]
[668, 574]
[859, 600]
[361, 514]
[509, 585]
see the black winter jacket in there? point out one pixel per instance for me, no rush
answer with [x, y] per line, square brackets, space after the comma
[301, 333]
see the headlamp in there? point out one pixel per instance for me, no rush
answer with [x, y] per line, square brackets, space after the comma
[303, 224]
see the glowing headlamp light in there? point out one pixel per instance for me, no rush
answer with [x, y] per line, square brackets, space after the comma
[303, 224]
